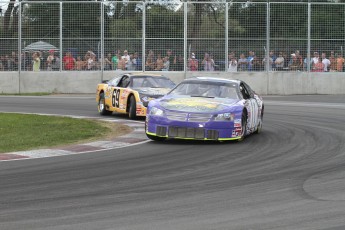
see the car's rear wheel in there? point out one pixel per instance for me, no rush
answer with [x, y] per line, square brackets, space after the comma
[132, 111]
[244, 125]
[102, 109]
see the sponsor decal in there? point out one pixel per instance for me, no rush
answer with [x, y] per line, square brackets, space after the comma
[237, 123]
[193, 104]
[236, 132]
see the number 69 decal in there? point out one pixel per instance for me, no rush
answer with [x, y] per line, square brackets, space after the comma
[115, 98]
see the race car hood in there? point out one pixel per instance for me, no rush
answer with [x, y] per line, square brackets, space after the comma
[152, 92]
[197, 104]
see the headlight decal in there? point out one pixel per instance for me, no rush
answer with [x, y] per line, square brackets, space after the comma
[154, 111]
[225, 117]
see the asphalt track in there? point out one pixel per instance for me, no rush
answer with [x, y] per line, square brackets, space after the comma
[291, 176]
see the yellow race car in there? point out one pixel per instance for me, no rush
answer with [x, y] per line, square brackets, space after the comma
[130, 93]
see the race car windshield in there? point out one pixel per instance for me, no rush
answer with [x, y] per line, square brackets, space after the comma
[152, 82]
[207, 89]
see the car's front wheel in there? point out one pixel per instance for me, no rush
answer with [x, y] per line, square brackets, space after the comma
[259, 128]
[244, 125]
[102, 107]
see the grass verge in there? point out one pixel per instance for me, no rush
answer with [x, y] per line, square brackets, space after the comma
[25, 94]
[20, 132]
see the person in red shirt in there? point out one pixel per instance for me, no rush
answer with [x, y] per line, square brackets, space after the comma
[68, 61]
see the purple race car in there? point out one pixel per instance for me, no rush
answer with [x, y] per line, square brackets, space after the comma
[205, 108]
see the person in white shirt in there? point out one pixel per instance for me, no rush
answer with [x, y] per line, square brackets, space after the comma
[232, 65]
[132, 63]
[279, 62]
[127, 58]
[315, 59]
[326, 62]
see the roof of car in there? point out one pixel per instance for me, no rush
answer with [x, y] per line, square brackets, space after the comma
[145, 74]
[215, 79]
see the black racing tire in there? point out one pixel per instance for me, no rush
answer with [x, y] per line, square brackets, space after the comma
[102, 109]
[244, 125]
[132, 110]
[259, 128]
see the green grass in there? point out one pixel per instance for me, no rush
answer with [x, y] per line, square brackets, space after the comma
[23, 132]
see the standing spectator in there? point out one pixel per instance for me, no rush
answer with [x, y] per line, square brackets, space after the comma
[68, 61]
[56, 63]
[179, 63]
[193, 63]
[340, 62]
[79, 64]
[91, 61]
[279, 62]
[26, 62]
[108, 63]
[2, 63]
[318, 66]
[126, 58]
[172, 60]
[250, 60]
[7, 63]
[121, 65]
[50, 60]
[299, 59]
[114, 61]
[159, 63]
[305, 63]
[270, 63]
[40, 55]
[315, 59]
[139, 62]
[36, 62]
[333, 60]
[14, 61]
[208, 63]
[242, 62]
[232, 67]
[150, 63]
[326, 62]
[166, 64]
[273, 57]
[256, 64]
[132, 63]
[294, 63]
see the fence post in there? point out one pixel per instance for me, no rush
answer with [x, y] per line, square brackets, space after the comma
[60, 37]
[20, 45]
[185, 40]
[102, 40]
[226, 36]
[143, 56]
[268, 37]
[309, 31]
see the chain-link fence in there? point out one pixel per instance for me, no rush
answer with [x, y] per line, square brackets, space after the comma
[171, 36]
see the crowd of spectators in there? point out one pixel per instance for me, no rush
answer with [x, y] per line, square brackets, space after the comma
[168, 61]
[333, 62]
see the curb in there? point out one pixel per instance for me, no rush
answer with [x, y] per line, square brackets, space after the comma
[137, 136]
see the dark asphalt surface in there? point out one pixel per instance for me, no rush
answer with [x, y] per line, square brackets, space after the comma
[291, 176]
